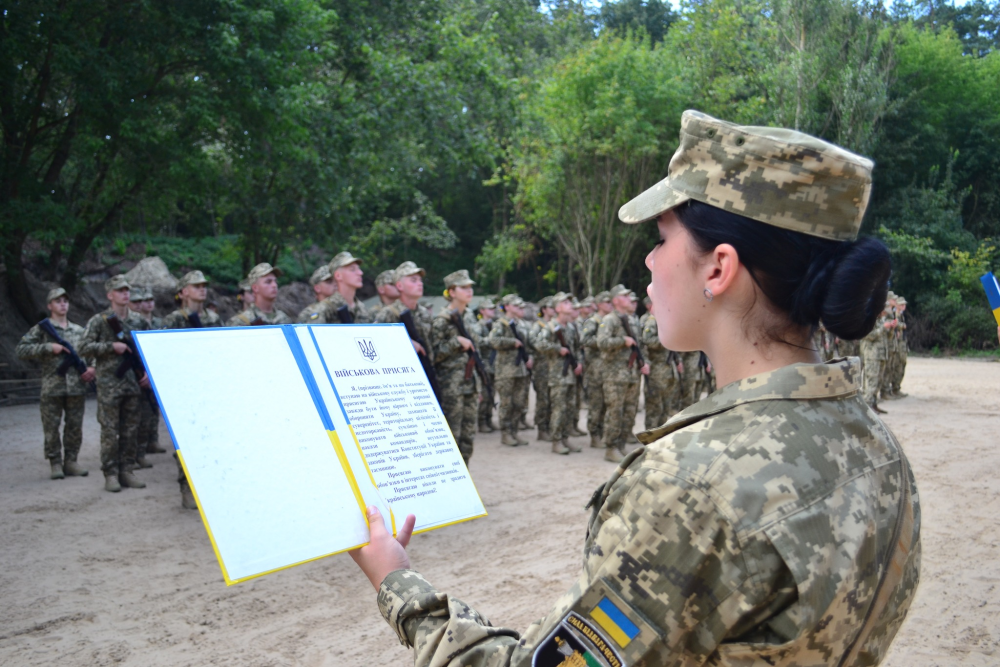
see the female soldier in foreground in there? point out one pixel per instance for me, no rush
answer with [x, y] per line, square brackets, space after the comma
[775, 522]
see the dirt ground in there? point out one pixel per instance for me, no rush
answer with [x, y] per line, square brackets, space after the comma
[93, 578]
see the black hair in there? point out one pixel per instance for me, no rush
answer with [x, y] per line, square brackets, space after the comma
[842, 283]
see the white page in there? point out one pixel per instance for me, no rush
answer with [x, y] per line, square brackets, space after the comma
[405, 438]
[269, 484]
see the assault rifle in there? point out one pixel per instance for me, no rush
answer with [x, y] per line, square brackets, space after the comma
[72, 358]
[345, 316]
[522, 352]
[475, 361]
[406, 317]
[674, 360]
[195, 320]
[570, 358]
[131, 358]
[636, 353]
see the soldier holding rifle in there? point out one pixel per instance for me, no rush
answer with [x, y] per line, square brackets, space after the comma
[663, 381]
[343, 306]
[593, 371]
[480, 328]
[557, 340]
[65, 375]
[512, 368]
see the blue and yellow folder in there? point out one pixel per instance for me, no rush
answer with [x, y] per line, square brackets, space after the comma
[287, 433]
[992, 293]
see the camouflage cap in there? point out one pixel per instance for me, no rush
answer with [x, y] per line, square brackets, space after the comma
[116, 282]
[385, 278]
[901, 301]
[192, 278]
[603, 297]
[458, 278]
[646, 301]
[407, 269]
[558, 298]
[54, 294]
[511, 300]
[261, 270]
[632, 295]
[545, 302]
[342, 259]
[576, 302]
[139, 294]
[776, 176]
[587, 302]
[487, 303]
[244, 285]
[320, 274]
[618, 290]
[891, 296]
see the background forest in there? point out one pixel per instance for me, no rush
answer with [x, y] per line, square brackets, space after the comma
[495, 135]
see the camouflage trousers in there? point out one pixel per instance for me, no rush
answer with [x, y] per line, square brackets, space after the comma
[119, 420]
[486, 405]
[562, 398]
[460, 410]
[513, 402]
[53, 409]
[543, 410]
[595, 404]
[871, 380]
[899, 369]
[622, 402]
[689, 380]
[662, 390]
[149, 428]
[523, 390]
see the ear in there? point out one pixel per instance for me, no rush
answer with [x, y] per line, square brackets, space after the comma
[722, 265]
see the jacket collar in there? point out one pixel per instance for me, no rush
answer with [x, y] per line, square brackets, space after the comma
[839, 378]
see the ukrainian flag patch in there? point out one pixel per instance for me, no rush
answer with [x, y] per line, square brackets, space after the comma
[614, 621]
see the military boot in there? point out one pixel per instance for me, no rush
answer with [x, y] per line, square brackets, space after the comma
[57, 470]
[509, 439]
[559, 447]
[142, 462]
[483, 428]
[576, 449]
[595, 441]
[127, 479]
[154, 448]
[544, 436]
[111, 483]
[187, 498]
[74, 469]
[523, 424]
[575, 431]
[612, 454]
[520, 442]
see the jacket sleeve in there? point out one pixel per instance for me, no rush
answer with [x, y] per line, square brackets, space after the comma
[34, 345]
[544, 341]
[610, 335]
[93, 346]
[498, 339]
[670, 567]
[444, 339]
[650, 337]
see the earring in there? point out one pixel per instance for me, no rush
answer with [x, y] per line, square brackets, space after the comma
[708, 294]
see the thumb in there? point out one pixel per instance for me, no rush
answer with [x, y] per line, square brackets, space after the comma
[376, 524]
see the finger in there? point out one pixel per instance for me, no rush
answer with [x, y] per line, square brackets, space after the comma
[406, 532]
[376, 524]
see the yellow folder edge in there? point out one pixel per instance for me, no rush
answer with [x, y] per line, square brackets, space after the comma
[392, 517]
[996, 315]
[342, 457]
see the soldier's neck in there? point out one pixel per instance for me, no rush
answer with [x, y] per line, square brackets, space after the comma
[458, 307]
[195, 307]
[120, 311]
[264, 305]
[59, 320]
[409, 301]
[348, 293]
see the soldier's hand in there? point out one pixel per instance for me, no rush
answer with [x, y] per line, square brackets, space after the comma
[529, 364]
[629, 341]
[384, 553]
[645, 369]
[517, 344]
[144, 382]
[680, 367]
[578, 370]
[563, 351]
[465, 343]
[418, 347]
[89, 374]
[58, 349]
[120, 348]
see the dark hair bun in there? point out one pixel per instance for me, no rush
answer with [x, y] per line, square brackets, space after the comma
[856, 289]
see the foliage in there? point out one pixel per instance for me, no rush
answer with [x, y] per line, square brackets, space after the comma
[512, 248]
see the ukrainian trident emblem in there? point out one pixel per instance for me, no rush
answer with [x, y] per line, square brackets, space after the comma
[367, 349]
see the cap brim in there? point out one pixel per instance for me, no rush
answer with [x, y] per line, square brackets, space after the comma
[651, 203]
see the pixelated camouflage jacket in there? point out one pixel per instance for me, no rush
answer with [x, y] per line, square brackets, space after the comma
[751, 529]
[98, 340]
[480, 329]
[588, 341]
[540, 367]
[422, 318]
[245, 318]
[502, 340]
[649, 336]
[547, 345]
[876, 344]
[181, 319]
[449, 358]
[614, 353]
[37, 345]
[325, 311]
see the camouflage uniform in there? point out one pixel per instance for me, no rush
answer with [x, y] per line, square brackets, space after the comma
[690, 379]
[382, 279]
[873, 352]
[593, 377]
[325, 311]
[714, 544]
[539, 378]
[621, 381]
[117, 398]
[422, 318]
[61, 394]
[458, 392]
[480, 330]
[562, 380]
[900, 353]
[253, 313]
[511, 375]
[662, 383]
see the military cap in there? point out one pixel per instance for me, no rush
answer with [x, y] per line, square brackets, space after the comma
[116, 282]
[487, 303]
[342, 259]
[138, 294]
[557, 298]
[576, 302]
[192, 278]
[320, 274]
[261, 270]
[632, 295]
[458, 278]
[407, 269]
[545, 302]
[891, 296]
[587, 302]
[602, 297]
[54, 294]
[773, 175]
[385, 278]
[900, 300]
[244, 285]
[646, 301]
[618, 290]
[511, 300]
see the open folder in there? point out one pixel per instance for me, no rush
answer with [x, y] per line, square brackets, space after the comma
[287, 434]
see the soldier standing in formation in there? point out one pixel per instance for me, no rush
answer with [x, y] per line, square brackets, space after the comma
[409, 280]
[117, 394]
[898, 353]
[540, 370]
[141, 306]
[263, 282]
[663, 381]
[593, 370]
[620, 354]
[245, 296]
[512, 368]
[874, 354]
[385, 285]
[323, 286]
[556, 342]
[64, 391]
[480, 326]
[455, 375]
[348, 278]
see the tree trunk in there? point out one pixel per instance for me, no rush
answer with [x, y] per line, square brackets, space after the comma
[17, 283]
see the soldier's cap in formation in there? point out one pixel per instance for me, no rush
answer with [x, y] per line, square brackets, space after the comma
[558, 298]
[320, 274]
[646, 301]
[407, 269]
[54, 294]
[576, 302]
[588, 302]
[116, 282]
[385, 278]
[900, 301]
[511, 300]
[244, 285]
[487, 303]
[458, 278]
[603, 297]
[545, 302]
[192, 278]
[773, 175]
[261, 270]
[138, 294]
[342, 259]
[891, 296]
[618, 290]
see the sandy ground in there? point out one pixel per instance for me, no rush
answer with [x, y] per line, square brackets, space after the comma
[93, 578]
